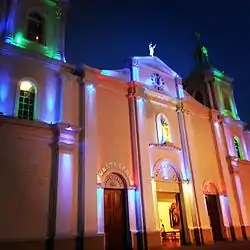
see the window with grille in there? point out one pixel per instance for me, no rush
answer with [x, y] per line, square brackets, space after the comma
[26, 104]
[238, 148]
[35, 28]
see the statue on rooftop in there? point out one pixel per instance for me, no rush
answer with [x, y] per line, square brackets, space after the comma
[152, 49]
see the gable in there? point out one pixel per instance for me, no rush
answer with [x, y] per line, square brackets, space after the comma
[155, 75]
[154, 63]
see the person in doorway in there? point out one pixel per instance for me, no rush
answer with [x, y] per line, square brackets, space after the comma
[163, 232]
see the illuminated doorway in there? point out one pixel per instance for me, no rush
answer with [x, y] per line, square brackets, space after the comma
[169, 202]
[170, 218]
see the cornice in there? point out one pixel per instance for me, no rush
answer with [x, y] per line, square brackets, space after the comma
[230, 121]
[14, 51]
[94, 76]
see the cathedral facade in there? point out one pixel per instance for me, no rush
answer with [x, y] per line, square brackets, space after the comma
[97, 159]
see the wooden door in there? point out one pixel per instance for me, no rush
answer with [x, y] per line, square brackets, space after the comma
[181, 225]
[115, 219]
[214, 215]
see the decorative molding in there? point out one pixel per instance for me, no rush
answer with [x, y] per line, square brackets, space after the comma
[209, 188]
[233, 163]
[116, 168]
[14, 51]
[164, 171]
[167, 145]
[113, 180]
[135, 62]
[180, 109]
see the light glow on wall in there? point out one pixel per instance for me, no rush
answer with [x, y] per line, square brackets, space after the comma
[131, 204]
[135, 72]
[50, 110]
[90, 88]
[20, 41]
[181, 91]
[241, 199]
[138, 209]
[6, 106]
[185, 171]
[100, 209]
[67, 138]
[65, 192]
[225, 208]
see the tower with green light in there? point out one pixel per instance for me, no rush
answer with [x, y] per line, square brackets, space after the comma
[37, 26]
[210, 86]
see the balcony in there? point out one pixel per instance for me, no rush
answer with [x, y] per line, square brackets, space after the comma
[167, 145]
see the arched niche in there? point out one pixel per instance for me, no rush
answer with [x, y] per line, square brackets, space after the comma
[163, 170]
[209, 188]
[162, 125]
[117, 169]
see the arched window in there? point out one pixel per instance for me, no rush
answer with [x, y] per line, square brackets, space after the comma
[35, 28]
[162, 129]
[226, 101]
[238, 148]
[26, 102]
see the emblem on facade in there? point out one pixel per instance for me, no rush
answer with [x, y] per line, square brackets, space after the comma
[164, 171]
[113, 180]
[114, 167]
[209, 188]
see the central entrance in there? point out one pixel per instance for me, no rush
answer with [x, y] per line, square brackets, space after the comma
[214, 216]
[116, 224]
[214, 210]
[170, 218]
[170, 205]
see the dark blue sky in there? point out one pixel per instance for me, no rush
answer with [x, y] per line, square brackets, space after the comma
[103, 33]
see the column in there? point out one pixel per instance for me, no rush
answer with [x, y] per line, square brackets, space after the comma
[66, 205]
[152, 233]
[201, 230]
[132, 215]
[226, 216]
[90, 164]
[231, 188]
[69, 106]
[100, 209]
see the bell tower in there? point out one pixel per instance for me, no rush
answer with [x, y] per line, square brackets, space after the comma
[210, 86]
[35, 25]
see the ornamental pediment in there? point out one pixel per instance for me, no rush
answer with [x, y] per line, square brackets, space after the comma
[154, 63]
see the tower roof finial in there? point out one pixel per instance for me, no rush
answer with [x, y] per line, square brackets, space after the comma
[201, 53]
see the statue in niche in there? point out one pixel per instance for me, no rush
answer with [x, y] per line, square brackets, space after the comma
[174, 216]
[152, 49]
[165, 131]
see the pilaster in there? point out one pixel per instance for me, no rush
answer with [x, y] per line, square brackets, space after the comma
[192, 195]
[91, 163]
[230, 183]
[66, 221]
[145, 164]
[66, 98]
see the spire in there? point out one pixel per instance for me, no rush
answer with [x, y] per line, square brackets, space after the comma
[201, 53]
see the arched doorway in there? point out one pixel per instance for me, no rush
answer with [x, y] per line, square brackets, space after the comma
[170, 204]
[116, 223]
[214, 210]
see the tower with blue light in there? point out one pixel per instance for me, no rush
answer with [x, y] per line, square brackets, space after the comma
[38, 26]
[32, 47]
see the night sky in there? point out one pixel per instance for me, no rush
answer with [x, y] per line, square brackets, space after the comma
[104, 33]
